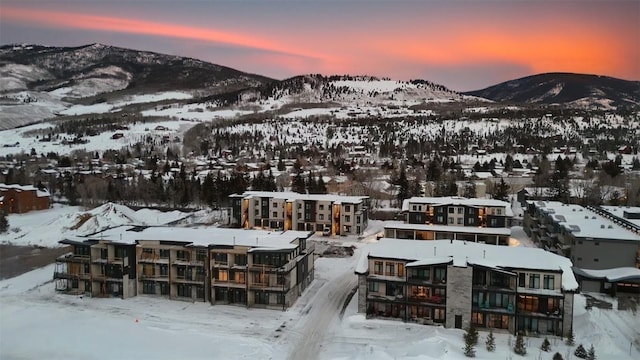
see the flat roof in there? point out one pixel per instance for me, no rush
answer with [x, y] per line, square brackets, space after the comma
[295, 196]
[618, 211]
[457, 200]
[464, 253]
[201, 236]
[585, 223]
[611, 275]
[449, 228]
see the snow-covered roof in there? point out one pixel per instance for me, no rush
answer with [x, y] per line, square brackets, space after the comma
[456, 200]
[461, 253]
[623, 212]
[296, 196]
[584, 223]
[39, 193]
[202, 236]
[611, 275]
[450, 228]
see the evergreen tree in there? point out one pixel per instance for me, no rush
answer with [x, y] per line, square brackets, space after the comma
[546, 345]
[570, 341]
[557, 356]
[281, 166]
[469, 189]
[520, 348]
[470, 341]
[491, 342]
[403, 185]
[322, 187]
[4, 223]
[592, 353]
[580, 352]
[501, 190]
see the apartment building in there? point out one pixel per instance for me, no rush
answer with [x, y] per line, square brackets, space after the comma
[252, 268]
[591, 237]
[18, 199]
[434, 218]
[331, 214]
[457, 283]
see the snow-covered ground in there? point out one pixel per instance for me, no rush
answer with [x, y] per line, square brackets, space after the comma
[73, 327]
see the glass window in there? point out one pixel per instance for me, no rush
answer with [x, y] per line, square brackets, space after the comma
[534, 281]
[549, 282]
[521, 279]
[390, 269]
[451, 210]
[374, 286]
[377, 267]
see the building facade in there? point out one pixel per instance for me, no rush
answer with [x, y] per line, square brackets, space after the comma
[332, 214]
[457, 211]
[221, 266]
[456, 283]
[436, 218]
[18, 199]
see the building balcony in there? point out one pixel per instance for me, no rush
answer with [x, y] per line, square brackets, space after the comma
[154, 277]
[233, 284]
[426, 281]
[486, 307]
[198, 279]
[434, 300]
[71, 257]
[555, 313]
[66, 275]
[152, 259]
[495, 287]
[187, 262]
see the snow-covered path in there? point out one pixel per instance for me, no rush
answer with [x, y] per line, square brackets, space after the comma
[324, 313]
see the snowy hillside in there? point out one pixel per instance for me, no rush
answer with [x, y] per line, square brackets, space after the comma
[48, 227]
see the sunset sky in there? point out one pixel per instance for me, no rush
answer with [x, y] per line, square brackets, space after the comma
[464, 45]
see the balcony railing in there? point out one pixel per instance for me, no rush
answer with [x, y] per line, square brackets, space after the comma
[435, 299]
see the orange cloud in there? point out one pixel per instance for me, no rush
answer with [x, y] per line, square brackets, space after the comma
[134, 26]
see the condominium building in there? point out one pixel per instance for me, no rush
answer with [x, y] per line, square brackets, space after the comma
[332, 214]
[252, 268]
[458, 283]
[435, 218]
[591, 237]
[458, 211]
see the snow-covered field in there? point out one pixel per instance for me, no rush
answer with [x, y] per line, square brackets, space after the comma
[73, 327]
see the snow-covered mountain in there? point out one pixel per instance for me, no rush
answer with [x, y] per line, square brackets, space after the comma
[39, 82]
[572, 90]
[357, 90]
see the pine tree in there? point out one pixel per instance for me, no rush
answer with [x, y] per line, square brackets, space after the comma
[473, 333]
[520, 348]
[546, 345]
[491, 342]
[470, 340]
[557, 356]
[580, 352]
[592, 353]
[4, 223]
[570, 339]
[501, 190]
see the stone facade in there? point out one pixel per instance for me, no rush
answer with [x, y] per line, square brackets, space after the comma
[459, 296]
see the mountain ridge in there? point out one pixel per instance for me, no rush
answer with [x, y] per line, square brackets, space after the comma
[572, 89]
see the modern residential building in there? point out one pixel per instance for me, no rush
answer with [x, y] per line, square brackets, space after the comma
[23, 198]
[435, 218]
[590, 237]
[458, 283]
[253, 268]
[494, 236]
[458, 211]
[333, 214]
